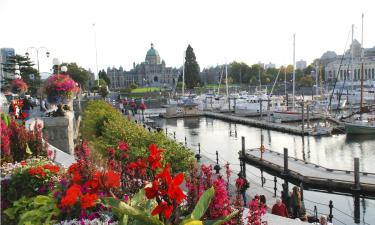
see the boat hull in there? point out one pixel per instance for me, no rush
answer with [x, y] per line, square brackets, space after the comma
[359, 129]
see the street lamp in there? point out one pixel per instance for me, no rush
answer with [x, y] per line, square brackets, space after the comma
[56, 63]
[37, 54]
[37, 62]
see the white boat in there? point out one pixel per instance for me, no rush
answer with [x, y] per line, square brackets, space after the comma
[360, 127]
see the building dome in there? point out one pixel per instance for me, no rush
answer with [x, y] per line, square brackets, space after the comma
[328, 55]
[152, 56]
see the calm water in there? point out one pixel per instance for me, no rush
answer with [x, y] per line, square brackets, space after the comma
[333, 152]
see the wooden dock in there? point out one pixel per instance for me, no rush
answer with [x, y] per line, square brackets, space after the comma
[258, 123]
[312, 175]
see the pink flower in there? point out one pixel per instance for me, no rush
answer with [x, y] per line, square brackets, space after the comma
[123, 146]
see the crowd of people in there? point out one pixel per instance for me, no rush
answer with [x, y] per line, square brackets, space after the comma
[131, 107]
[292, 206]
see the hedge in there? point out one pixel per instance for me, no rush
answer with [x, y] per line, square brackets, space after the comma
[103, 126]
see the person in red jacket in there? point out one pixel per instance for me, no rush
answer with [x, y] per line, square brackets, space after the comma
[280, 209]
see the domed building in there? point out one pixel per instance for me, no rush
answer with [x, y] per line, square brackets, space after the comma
[151, 72]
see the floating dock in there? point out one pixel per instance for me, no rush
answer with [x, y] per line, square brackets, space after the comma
[259, 123]
[312, 175]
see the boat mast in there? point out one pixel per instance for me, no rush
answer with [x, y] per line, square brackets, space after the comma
[361, 104]
[226, 79]
[351, 61]
[260, 81]
[294, 67]
[316, 77]
[285, 80]
[183, 74]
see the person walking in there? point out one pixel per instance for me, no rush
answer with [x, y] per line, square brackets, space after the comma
[296, 202]
[26, 107]
[280, 209]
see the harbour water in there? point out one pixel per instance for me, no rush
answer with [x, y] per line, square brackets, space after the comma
[335, 152]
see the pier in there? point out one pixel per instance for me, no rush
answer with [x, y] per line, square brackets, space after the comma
[259, 123]
[312, 175]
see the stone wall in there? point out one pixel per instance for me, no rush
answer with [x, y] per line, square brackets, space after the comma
[60, 131]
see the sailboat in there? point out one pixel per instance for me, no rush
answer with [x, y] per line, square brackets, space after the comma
[290, 114]
[360, 124]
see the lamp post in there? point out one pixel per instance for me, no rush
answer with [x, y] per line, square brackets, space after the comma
[56, 63]
[37, 63]
[37, 54]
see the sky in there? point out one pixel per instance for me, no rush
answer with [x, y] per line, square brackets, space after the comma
[219, 31]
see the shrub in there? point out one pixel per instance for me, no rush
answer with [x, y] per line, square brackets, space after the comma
[104, 126]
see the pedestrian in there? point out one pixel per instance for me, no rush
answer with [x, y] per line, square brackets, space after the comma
[121, 106]
[43, 106]
[133, 106]
[262, 201]
[323, 220]
[280, 209]
[296, 202]
[26, 106]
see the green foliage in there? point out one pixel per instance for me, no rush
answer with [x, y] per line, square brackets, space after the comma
[26, 69]
[133, 86]
[5, 118]
[145, 89]
[78, 74]
[104, 126]
[103, 75]
[203, 203]
[33, 211]
[103, 91]
[192, 78]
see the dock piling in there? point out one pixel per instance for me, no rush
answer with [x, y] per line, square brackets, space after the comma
[243, 157]
[357, 186]
[174, 135]
[185, 141]
[286, 170]
[166, 132]
[303, 118]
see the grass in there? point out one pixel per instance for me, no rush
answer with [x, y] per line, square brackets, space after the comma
[145, 89]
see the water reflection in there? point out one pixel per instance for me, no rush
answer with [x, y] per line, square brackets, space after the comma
[192, 123]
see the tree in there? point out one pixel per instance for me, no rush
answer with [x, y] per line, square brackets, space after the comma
[192, 78]
[103, 91]
[28, 73]
[103, 75]
[78, 74]
[306, 81]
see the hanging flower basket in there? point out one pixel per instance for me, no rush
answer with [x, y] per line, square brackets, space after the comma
[19, 86]
[60, 89]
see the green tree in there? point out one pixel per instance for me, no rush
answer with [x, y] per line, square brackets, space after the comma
[192, 78]
[28, 73]
[103, 75]
[78, 74]
[306, 81]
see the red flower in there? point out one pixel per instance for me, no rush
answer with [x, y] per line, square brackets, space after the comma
[164, 208]
[88, 200]
[94, 182]
[123, 146]
[152, 191]
[71, 196]
[52, 168]
[73, 168]
[23, 163]
[155, 157]
[111, 151]
[76, 177]
[174, 190]
[124, 156]
[37, 171]
[111, 179]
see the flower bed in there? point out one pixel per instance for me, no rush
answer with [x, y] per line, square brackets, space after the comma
[134, 183]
